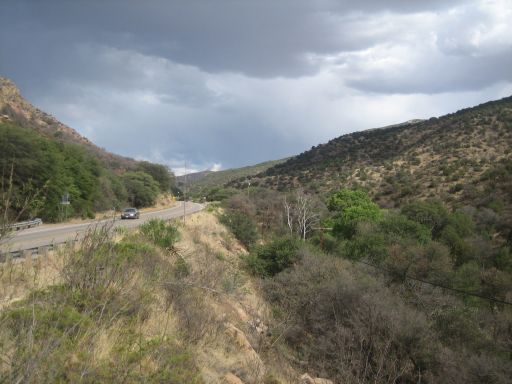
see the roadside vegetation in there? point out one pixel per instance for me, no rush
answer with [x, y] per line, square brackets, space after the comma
[417, 294]
[93, 324]
[53, 168]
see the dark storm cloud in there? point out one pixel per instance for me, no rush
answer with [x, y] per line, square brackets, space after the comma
[257, 38]
[237, 82]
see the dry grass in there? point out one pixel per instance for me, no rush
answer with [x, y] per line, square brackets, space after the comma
[223, 297]
[198, 296]
[19, 277]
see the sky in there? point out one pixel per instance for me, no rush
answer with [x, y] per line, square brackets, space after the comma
[218, 84]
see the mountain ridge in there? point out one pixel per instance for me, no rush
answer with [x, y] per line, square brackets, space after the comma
[201, 183]
[443, 157]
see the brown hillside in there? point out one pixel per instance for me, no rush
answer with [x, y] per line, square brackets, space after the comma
[460, 157]
[14, 108]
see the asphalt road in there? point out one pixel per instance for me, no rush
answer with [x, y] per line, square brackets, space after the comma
[48, 233]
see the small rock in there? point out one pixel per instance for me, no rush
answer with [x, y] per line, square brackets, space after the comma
[232, 379]
[306, 379]
[239, 337]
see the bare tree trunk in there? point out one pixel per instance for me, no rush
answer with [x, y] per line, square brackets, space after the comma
[289, 215]
[306, 214]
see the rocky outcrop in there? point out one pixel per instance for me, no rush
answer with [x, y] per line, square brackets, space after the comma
[248, 359]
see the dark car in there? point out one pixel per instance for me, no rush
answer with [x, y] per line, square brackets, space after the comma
[130, 213]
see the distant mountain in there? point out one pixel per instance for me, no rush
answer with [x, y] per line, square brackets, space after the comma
[193, 177]
[14, 108]
[460, 157]
[199, 182]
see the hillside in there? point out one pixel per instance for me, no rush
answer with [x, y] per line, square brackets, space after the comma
[125, 309]
[460, 157]
[41, 160]
[201, 183]
[15, 109]
[425, 209]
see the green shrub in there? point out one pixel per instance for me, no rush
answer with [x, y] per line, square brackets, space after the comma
[370, 245]
[397, 227]
[432, 214]
[351, 207]
[160, 233]
[459, 248]
[274, 257]
[326, 242]
[241, 226]
[503, 259]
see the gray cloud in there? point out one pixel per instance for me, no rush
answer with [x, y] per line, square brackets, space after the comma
[238, 82]
[257, 38]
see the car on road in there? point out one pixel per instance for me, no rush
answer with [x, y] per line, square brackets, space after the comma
[130, 213]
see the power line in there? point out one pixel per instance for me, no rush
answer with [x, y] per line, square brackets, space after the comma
[474, 294]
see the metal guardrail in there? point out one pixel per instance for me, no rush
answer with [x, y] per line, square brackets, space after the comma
[26, 224]
[34, 251]
[42, 249]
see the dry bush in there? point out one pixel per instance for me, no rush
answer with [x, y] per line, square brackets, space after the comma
[340, 323]
[191, 290]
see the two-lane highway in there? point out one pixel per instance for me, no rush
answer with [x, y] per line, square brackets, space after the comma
[51, 233]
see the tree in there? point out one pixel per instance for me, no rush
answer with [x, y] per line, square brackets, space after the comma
[429, 213]
[301, 212]
[142, 188]
[161, 173]
[13, 205]
[351, 207]
[54, 168]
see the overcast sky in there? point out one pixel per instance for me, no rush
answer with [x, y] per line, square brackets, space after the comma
[227, 83]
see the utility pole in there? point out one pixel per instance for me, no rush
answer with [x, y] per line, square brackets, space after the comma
[185, 194]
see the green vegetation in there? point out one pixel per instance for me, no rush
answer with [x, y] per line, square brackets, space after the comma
[141, 188]
[388, 294]
[242, 226]
[91, 327]
[351, 208]
[160, 173]
[271, 258]
[349, 325]
[54, 169]
[160, 233]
